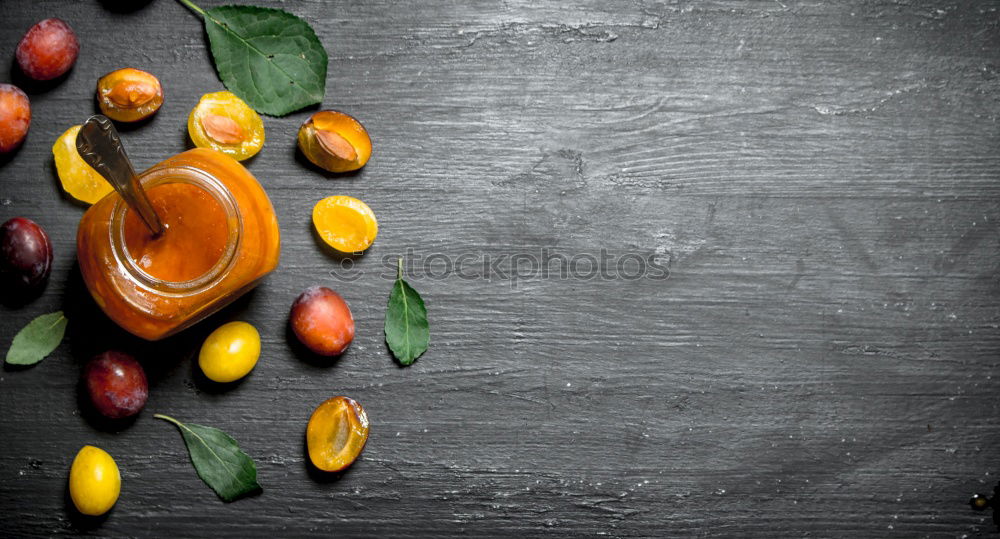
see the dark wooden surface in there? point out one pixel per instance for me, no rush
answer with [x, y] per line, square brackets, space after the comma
[822, 178]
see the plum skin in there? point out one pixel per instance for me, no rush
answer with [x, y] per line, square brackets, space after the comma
[322, 321]
[116, 384]
[48, 49]
[25, 255]
[15, 117]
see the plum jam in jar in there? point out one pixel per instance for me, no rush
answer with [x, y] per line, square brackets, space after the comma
[221, 238]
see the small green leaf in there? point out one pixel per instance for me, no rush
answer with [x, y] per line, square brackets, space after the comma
[268, 57]
[218, 460]
[406, 329]
[38, 339]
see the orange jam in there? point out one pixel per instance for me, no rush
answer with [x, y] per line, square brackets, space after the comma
[194, 239]
[220, 239]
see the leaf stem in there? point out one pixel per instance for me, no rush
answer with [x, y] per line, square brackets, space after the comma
[190, 5]
[399, 271]
[166, 417]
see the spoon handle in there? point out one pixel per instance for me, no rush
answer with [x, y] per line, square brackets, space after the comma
[99, 145]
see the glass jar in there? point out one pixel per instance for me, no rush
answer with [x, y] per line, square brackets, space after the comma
[221, 239]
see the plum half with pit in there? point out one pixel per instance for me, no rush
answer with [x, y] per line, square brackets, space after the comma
[129, 95]
[25, 257]
[116, 384]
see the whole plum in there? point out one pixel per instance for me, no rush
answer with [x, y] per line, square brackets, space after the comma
[15, 117]
[48, 49]
[322, 321]
[25, 256]
[116, 384]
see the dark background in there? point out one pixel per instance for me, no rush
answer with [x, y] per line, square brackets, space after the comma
[821, 178]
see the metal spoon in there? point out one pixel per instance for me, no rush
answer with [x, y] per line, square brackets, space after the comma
[99, 145]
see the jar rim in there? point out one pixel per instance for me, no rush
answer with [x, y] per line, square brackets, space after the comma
[217, 190]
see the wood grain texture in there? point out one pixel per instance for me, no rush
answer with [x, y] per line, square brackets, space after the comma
[821, 178]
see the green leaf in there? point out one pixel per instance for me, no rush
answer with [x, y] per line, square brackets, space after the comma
[406, 329]
[38, 339]
[268, 57]
[218, 460]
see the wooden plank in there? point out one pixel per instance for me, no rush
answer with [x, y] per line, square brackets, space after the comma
[820, 178]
